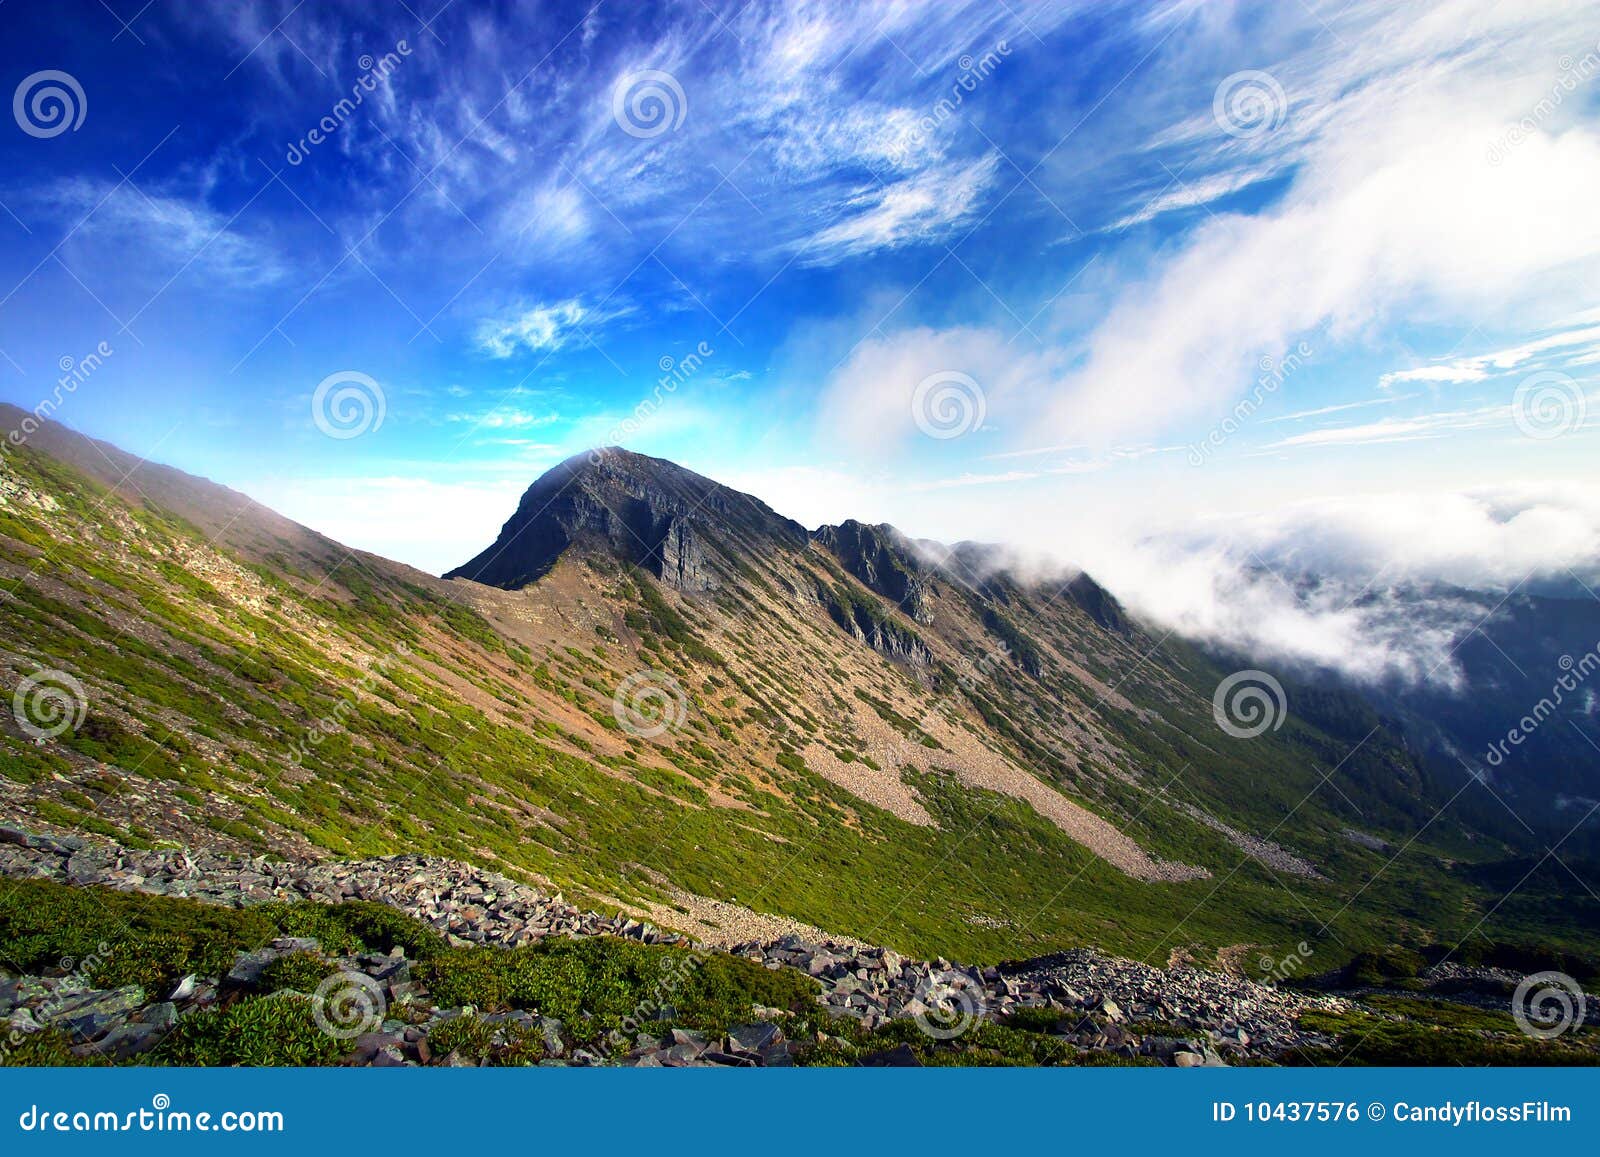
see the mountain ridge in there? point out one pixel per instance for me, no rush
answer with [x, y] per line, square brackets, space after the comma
[837, 727]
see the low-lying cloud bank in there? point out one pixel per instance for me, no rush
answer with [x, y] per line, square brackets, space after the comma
[1377, 587]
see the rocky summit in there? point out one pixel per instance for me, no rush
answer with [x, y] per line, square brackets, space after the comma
[682, 528]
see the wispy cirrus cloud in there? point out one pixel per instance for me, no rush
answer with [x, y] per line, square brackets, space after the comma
[161, 232]
[915, 209]
[542, 328]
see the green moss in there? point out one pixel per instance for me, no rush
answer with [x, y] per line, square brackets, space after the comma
[151, 942]
[1457, 1038]
[269, 1030]
[612, 980]
[296, 972]
[46, 1048]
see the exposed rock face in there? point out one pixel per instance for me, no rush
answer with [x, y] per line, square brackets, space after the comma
[1099, 604]
[885, 561]
[645, 511]
[871, 625]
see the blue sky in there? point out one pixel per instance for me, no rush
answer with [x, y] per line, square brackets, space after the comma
[1003, 270]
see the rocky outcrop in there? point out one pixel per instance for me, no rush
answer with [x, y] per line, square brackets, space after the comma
[1103, 1003]
[1099, 604]
[644, 511]
[886, 563]
[870, 623]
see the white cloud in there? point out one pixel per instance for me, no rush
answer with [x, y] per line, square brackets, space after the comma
[1572, 346]
[1454, 373]
[1179, 194]
[1435, 425]
[507, 419]
[917, 208]
[163, 235]
[1352, 584]
[1393, 211]
[542, 328]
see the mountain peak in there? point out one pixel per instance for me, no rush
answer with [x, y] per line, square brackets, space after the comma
[655, 514]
